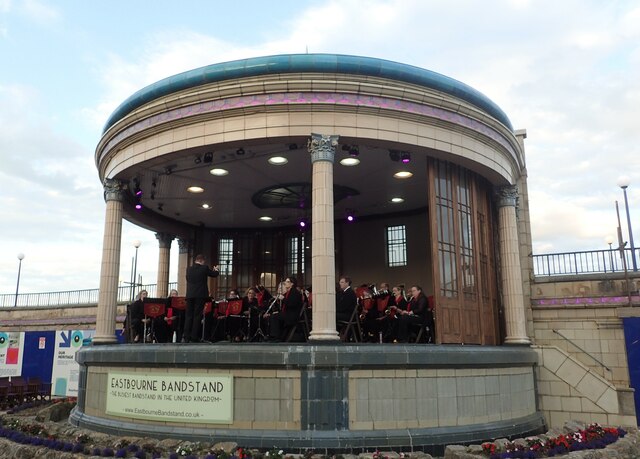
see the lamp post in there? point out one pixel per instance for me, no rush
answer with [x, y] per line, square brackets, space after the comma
[609, 240]
[137, 245]
[623, 182]
[20, 258]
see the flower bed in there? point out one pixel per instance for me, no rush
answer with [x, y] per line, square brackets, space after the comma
[593, 436]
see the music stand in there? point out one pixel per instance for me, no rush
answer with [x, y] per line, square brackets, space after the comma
[153, 307]
[234, 310]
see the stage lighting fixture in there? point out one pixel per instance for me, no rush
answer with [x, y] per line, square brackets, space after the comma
[302, 223]
[208, 157]
[169, 169]
[136, 187]
[197, 159]
[240, 152]
[138, 206]
[351, 215]
[354, 151]
[160, 207]
[293, 146]
[405, 157]
[394, 155]
[152, 195]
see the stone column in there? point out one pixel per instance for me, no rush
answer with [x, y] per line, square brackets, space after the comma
[164, 255]
[510, 270]
[323, 276]
[110, 269]
[183, 262]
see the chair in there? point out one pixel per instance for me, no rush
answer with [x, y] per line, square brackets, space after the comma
[39, 390]
[17, 390]
[303, 321]
[208, 307]
[425, 330]
[350, 330]
[4, 393]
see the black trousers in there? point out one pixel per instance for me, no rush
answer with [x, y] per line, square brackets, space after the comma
[193, 320]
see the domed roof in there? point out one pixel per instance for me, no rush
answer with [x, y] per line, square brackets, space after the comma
[316, 63]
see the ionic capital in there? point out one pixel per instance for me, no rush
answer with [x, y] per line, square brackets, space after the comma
[322, 147]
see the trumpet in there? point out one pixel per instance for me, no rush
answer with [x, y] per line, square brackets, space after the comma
[391, 312]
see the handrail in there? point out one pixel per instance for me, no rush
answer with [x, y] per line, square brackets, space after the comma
[585, 352]
[585, 262]
[72, 297]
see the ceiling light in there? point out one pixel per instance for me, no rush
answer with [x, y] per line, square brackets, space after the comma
[208, 157]
[206, 206]
[397, 200]
[240, 151]
[265, 218]
[219, 172]
[197, 159]
[351, 215]
[138, 206]
[278, 160]
[302, 223]
[350, 161]
[405, 157]
[403, 175]
[195, 189]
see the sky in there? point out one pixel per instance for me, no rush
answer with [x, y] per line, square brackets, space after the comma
[568, 72]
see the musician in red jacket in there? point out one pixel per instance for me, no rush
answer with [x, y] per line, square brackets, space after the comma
[290, 300]
[417, 313]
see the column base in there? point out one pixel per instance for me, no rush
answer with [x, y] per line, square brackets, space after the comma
[324, 335]
[519, 340]
[109, 339]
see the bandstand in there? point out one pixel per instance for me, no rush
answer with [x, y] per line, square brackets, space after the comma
[400, 175]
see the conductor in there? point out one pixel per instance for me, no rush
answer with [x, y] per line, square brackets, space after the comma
[197, 295]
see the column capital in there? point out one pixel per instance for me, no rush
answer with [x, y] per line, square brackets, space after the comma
[322, 147]
[506, 195]
[113, 189]
[164, 240]
[183, 245]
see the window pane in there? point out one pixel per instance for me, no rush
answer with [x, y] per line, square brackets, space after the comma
[396, 246]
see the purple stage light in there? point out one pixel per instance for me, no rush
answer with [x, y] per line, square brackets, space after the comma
[350, 218]
[138, 206]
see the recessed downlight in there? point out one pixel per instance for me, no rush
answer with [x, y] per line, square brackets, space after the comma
[397, 200]
[195, 189]
[350, 161]
[219, 172]
[403, 175]
[265, 218]
[206, 206]
[278, 160]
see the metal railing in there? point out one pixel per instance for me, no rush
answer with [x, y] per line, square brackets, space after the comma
[72, 297]
[588, 262]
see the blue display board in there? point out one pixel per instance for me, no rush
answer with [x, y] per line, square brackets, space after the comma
[632, 341]
[38, 354]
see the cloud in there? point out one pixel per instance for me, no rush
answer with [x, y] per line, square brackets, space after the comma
[39, 12]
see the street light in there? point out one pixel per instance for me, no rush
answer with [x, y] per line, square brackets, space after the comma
[137, 245]
[609, 240]
[20, 258]
[623, 182]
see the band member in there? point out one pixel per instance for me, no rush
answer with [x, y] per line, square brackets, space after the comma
[235, 318]
[290, 306]
[251, 309]
[197, 295]
[345, 300]
[136, 313]
[417, 313]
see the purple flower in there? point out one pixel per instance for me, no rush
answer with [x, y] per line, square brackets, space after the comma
[173, 456]
[141, 454]
[121, 453]
[133, 448]
[78, 448]
[107, 452]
